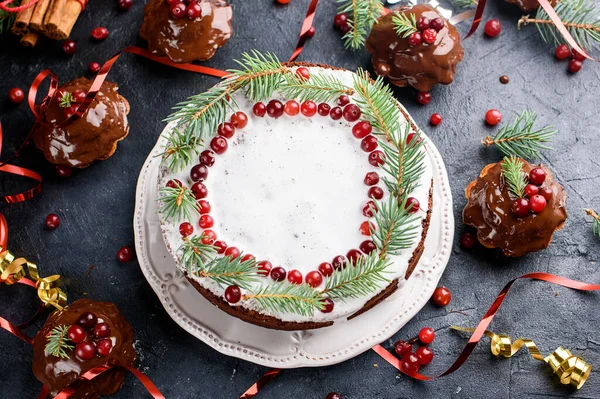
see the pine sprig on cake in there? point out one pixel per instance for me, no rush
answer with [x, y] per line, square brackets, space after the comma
[177, 202]
[182, 148]
[595, 221]
[319, 88]
[362, 14]
[404, 24]
[519, 137]
[396, 228]
[58, 342]
[514, 177]
[195, 254]
[260, 75]
[358, 279]
[300, 299]
[580, 17]
[226, 271]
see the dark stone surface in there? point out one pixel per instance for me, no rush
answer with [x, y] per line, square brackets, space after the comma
[96, 207]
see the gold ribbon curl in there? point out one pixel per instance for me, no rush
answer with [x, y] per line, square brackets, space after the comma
[570, 369]
[14, 269]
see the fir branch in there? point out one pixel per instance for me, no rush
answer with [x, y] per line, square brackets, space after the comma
[362, 14]
[301, 299]
[405, 24]
[514, 177]
[178, 203]
[395, 227]
[520, 139]
[595, 221]
[580, 17]
[182, 148]
[7, 18]
[226, 271]
[66, 100]
[363, 278]
[58, 342]
[465, 3]
[195, 254]
[259, 74]
[319, 88]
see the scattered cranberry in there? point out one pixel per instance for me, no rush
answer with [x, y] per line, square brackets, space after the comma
[326, 269]
[204, 206]
[308, 108]
[278, 273]
[101, 330]
[563, 51]
[124, 5]
[362, 129]
[521, 207]
[467, 241]
[186, 229]
[275, 108]
[76, 333]
[423, 23]
[193, 11]
[424, 97]
[575, 66]
[537, 203]
[64, 171]
[178, 10]
[226, 129]
[441, 296]
[415, 39]
[333, 395]
[412, 205]
[339, 262]
[239, 120]
[69, 47]
[94, 67]
[437, 24]
[125, 254]
[402, 348]
[577, 56]
[351, 112]
[336, 113]
[353, 255]
[99, 33]
[314, 279]
[232, 252]
[199, 190]
[435, 119]
[206, 221]
[87, 320]
[369, 209]
[369, 143]
[294, 277]
[547, 193]
[376, 158]
[340, 20]
[371, 178]
[173, 183]
[199, 173]
[492, 28]
[375, 192]
[323, 109]
[343, 100]
[104, 347]
[531, 190]
[85, 350]
[410, 363]
[368, 246]
[264, 267]
[233, 294]
[537, 176]
[221, 246]
[429, 36]
[209, 237]
[219, 144]
[16, 95]
[426, 335]
[291, 108]
[311, 32]
[493, 117]
[207, 157]
[328, 305]
[283, 1]
[303, 73]
[259, 109]
[52, 221]
[425, 355]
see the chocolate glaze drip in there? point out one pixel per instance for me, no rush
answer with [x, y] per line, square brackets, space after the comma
[184, 40]
[528, 5]
[489, 211]
[92, 137]
[420, 67]
[57, 373]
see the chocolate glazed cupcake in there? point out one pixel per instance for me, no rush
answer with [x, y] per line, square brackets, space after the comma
[528, 5]
[185, 39]
[489, 210]
[420, 66]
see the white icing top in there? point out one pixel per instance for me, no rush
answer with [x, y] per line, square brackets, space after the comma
[291, 191]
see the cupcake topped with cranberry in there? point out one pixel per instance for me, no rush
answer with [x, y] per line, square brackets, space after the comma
[82, 336]
[186, 30]
[515, 206]
[415, 46]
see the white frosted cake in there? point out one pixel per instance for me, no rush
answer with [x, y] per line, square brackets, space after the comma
[266, 196]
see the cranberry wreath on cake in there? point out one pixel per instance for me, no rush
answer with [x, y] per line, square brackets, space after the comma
[294, 195]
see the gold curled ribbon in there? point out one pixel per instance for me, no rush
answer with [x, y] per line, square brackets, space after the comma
[570, 369]
[14, 269]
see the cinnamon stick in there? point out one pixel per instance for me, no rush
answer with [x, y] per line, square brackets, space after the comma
[54, 15]
[69, 16]
[37, 18]
[30, 39]
[21, 25]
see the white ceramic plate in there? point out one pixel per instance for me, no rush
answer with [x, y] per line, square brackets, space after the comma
[285, 349]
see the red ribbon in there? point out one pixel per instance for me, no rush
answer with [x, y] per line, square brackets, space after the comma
[5, 324]
[306, 25]
[5, 7]
[258, 385]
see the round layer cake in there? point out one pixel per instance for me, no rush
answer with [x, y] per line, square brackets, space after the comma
[300, 212]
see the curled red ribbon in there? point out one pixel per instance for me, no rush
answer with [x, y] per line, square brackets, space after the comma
[258, 385]
[306, 25]
[5, 7]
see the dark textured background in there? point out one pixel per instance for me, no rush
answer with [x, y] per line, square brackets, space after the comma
[96, 208]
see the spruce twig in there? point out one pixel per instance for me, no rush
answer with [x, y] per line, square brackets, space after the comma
[465, 3]
[319, 88]
[595, 221]
[301, 299]
[514, 177]
[178, 203]
[195, 254]
[226, 271]
[182, 148]
[66, 100]
[7, 18]
[396, 229]
[405, 24]
[519, 138]
[58, 342]
[362, 14]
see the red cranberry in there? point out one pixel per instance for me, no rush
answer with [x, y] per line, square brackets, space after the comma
[186, 229]
[275, 108]
[323, 109]
[199, 173]
[441, 296]
[71, 110]
[209, 237]
[368, 246]
[204, 206]
[343, 100]
[410, 363]
[226, 129]
[402, 348]
[377, 158]
[207, 158]
[326, 269]
[294, 277]
[537, 176]
[577, 56]
[52, 221]
[537, 203]
[239, 120]
[78, 96]
[308, 108]
[259, 109]
[291, 108]
[85, 350]
[340, 20]
[104, 347]
[194, 11]
[99, 33]
[69, 47]
[333, 395]
[531, 190]
[353, 255]
[219, 144]
[520, 207]
[178, 10]
[311, 32]
[362, 129]
[369, 209]
[101, 330]
[423, 23]
[232, 252]
[339, 262]
[303, 73]
[16, 95]
[575, 66]
[314, 279]
[87, 320]
[64, 171]
[173, 183]
[221, 246]
[76, 333]
[94, 67]
[492, 28]
[124, 5]
[206, 221]
[369, 143]
[426, 335]
[278, 273]
[351, 112]
[425, 355]
[199, 190]
[435, 119]
[563, 51]
[336, 113]
[415, 39]
[328, 305]
[375, 193]
[493, 117]
[371, 178]
[410, 138]
[248, 257]
[429, 36]
[233, 294]
[437, 24]
[125, 254]
[424, 97]
[264, 267]
[547, 193]
[467, 241]
[365, 228]
[412, 205]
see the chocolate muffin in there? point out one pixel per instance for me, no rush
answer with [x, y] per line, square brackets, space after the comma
[528, 5]
[92, 137]
[410, 60]
[194, 36]
[95, 324]
[491, 210]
